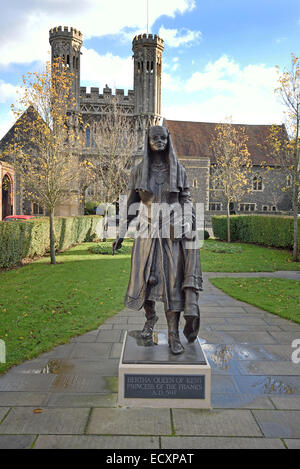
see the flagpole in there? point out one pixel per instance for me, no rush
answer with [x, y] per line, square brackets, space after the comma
[147, 16]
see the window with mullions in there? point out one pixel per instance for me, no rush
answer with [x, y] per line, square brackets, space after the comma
[247, 207]
[37, 209]
[257, 183]
[215, 206]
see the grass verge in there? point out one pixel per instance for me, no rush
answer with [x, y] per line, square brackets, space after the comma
[278, 296]
[218, 256]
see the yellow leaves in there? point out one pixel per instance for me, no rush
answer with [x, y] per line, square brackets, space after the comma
[37, 411]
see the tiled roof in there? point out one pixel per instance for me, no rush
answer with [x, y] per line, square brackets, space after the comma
[192, 139]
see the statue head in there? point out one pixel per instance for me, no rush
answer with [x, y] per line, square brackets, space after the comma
[158, 138]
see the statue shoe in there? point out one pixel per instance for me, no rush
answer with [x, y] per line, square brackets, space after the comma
[148, 327]
[173, 333]
[175, 344]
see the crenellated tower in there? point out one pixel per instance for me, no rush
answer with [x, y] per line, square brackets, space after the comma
[147, 50]
[66, 43]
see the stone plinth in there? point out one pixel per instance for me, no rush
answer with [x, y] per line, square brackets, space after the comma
[151, 376]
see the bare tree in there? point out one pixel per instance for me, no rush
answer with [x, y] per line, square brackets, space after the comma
[114, 141]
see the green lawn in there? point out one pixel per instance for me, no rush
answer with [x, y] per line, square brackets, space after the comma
[43, 305]
[244, 258]
[278, 296]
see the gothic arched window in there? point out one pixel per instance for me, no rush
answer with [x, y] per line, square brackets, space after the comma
[87, 137]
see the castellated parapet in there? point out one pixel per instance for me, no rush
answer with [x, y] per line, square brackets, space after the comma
[148, 40]
[63, 32]
[95, 102]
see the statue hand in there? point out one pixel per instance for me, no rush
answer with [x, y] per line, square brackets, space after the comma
[188, 232]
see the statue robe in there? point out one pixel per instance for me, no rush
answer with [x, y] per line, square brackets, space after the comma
[162, 264]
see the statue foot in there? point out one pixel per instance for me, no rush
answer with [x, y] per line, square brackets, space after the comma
[173, 333]
[148, 327]
[175, 344]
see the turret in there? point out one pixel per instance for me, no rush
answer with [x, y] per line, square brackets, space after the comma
[66, 43]
[147, 50]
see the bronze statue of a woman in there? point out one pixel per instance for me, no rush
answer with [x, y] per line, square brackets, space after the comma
[163, 267]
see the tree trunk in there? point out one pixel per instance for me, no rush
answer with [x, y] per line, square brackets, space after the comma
[52, 237]
[228, 222]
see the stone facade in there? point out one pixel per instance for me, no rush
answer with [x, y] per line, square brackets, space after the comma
[7, 192]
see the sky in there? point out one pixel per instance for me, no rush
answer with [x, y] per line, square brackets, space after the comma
[219, 60]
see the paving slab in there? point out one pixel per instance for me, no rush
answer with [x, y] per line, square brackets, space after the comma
[80, 384]
[3, 412]
[96, 442]
[222, 354]
[94, 351]
[220, 443]
[268, 368]
[223, 384]
[216, 338]
[63, 351]
[130, 422]
[23, 420]
[109, 336]
[116, 351]
[283, 352]
[273, 385]
[215, 423]
[8, 398]
[106, 327]
[279, 423]
[82, 400]
[240, 401]
[247, 320]
[119, 320]
[292, 444]
[286, 337]
[69, 366]
[16, 441]
[286, 402]
[89, 337]
[251, 337]
[35, 383]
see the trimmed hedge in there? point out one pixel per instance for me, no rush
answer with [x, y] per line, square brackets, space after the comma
[269, 230]
[20, 240]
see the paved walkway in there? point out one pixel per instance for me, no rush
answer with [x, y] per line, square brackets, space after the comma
[67, 398]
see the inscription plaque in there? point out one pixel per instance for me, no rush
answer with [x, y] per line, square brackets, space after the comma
[145, 386]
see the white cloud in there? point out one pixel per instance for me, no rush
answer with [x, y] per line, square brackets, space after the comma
[177, 38]
[105, 69]
[279, 40]
[170, 83]
[225, 88]
[25, 25]
[8, 92]
[6, 121]
[226, 76]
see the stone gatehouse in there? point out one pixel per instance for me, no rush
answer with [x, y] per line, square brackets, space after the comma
[143, 107]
